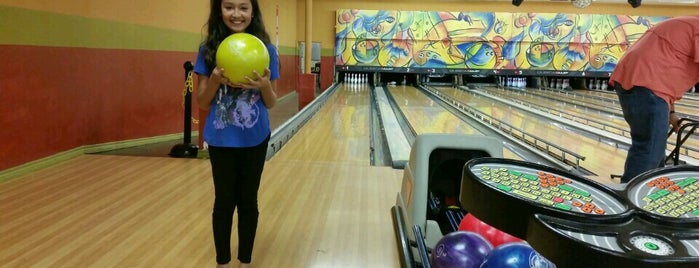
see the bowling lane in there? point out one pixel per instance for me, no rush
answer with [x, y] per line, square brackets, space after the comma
[689, 104]
[601, 158]
[323, 194]
[338, 132]
[606, 100]
[691, 144]
[426, 116]
[575, 99]
[578, 113]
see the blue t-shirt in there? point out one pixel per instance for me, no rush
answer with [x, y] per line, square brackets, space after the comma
[237, 118]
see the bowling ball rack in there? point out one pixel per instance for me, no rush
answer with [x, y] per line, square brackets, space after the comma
[430, 190]
[448, 217]
[422, 250]
[576, 222]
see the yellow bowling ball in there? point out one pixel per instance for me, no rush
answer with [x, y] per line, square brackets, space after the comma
[239, 55]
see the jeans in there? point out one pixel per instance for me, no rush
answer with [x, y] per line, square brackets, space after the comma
[237, 173]
[649, 121]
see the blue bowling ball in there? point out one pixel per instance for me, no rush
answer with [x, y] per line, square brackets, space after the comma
[461, 249]
[515, 255]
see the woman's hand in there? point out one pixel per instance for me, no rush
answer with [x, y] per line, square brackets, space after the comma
[268, 88]
[220, 79]
[216, 76]
[208, 86]
[258, 81]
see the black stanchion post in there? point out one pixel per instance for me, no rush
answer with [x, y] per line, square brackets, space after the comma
[186, 149]
[188, 67]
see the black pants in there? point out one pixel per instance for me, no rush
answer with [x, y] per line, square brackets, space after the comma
[237, 173]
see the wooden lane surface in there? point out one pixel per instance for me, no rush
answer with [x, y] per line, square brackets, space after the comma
[340, 207]
[685, 106]
[580, 111]
[339, 132]
[690, 101]
[108, 211]
[426, 116]
[601, 158]
[331, 210]
[609, 105]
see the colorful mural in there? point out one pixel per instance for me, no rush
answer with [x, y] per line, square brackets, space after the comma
[485, 40]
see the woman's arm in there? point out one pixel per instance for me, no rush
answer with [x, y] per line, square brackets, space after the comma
[269, 95]
[208, 85]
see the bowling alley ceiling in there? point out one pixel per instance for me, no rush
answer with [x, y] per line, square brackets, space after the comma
[647, 2]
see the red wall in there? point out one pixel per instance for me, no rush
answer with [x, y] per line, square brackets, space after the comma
[327, 72]
[288, 74]
[93, 96]
[89, 96]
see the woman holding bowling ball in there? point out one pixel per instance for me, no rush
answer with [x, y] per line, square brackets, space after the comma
[237, 127]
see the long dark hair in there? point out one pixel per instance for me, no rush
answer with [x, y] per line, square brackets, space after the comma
[217, 30]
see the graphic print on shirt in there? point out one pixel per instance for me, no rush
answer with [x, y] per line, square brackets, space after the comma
[236, 107]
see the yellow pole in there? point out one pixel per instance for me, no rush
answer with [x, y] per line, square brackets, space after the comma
[309, 36]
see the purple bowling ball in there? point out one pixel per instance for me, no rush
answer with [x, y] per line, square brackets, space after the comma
[461, 249]
[515, 255]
